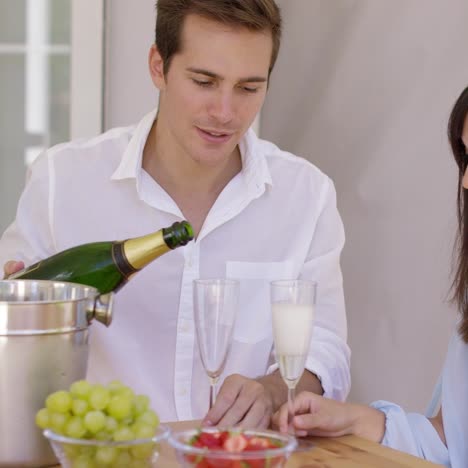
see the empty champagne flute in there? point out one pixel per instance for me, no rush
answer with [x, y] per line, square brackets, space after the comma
[292, 303]
[214, 304]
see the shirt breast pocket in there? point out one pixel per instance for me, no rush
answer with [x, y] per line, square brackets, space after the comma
[253, 319]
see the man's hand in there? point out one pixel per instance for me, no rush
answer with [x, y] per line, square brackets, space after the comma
[11, 267]
[241, 402]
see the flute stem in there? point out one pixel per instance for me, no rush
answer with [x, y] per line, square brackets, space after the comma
[291, 396]
[213, 382]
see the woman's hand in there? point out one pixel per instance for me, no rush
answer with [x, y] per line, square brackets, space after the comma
[318, 416]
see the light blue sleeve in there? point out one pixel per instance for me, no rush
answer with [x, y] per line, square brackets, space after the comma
[412, 433]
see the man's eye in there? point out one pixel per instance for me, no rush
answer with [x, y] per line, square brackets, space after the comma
[203, 84]
[249, 89]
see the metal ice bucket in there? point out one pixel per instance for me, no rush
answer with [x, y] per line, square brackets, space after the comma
[43, 348]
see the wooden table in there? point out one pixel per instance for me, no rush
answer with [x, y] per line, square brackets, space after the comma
[342, 452]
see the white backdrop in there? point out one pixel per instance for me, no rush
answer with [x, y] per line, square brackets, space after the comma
[129, 92]
[362, 88]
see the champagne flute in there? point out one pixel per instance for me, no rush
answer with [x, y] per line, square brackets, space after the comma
[292, 303]
[214, 304]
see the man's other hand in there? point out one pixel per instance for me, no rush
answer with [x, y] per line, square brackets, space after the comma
[11, 267]
[241, 402]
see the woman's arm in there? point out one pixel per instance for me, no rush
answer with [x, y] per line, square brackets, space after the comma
[438, 424]
[369, 423]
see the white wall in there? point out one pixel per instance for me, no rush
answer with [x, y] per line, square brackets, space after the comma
[129, 92]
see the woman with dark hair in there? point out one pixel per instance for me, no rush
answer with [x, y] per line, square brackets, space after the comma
[443, 438]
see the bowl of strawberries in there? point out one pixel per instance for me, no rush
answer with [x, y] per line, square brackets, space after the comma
[232, 448]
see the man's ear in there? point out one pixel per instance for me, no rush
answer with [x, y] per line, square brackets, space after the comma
[156, 67]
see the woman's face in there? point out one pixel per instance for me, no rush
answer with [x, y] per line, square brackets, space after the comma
[465, 142]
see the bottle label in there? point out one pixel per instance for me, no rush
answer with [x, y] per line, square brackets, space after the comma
[120, 260]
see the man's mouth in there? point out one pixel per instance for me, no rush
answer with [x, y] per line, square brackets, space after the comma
[219, 136]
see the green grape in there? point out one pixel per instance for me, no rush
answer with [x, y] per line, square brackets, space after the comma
[99, 397]
[139, 464]
[128, 421]
[123, 458]
[57, 421]
[126, 392]
[80, 389]
[120, 407]
[149, 417]
[140, 404]
[105, 455]
[94, 421]
[103, 435]
[115, 386]
[59, 402]
[87, 450]
[71, 450]
[75, 428]
[123, 434]
[42, 418]
[79, 407]
[111, 424]
[112, 413]
[143, 451]
[143, 431]
[83, 461]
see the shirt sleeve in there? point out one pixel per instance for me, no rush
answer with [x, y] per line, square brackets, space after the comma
[329, 354]
[29, 238]
[412, 433]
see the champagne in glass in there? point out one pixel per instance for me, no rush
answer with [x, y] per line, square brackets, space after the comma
[214, 305]
[292, 303]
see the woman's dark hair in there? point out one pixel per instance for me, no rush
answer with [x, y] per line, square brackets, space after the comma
[460, 282]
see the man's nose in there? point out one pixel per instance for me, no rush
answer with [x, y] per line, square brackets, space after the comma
[222, 107]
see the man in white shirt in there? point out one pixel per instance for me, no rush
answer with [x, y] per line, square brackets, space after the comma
[259, 214]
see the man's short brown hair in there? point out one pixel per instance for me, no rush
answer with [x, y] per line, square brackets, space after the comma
[255, 15]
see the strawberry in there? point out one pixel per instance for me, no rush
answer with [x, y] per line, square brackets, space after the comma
[210, 440]
[203, 464]
[220, 463]
[257, 443]
[239, 464]
[235, 443]
[223, 436]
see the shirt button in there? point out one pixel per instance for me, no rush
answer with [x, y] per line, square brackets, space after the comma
[188, 262]
[182, 392]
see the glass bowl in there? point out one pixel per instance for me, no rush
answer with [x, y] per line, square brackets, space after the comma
[89, 453]
[190, 456]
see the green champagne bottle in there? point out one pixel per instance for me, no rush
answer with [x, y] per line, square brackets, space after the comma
[107, 266]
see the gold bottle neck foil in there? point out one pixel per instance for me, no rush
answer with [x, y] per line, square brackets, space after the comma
[143, 250]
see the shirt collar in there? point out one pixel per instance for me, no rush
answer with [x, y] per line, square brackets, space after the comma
[255, 170]
[130, 165]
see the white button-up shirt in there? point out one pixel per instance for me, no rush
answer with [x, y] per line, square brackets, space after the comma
[276, 219]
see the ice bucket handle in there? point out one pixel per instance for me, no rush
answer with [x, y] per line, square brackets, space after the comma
[100, 308]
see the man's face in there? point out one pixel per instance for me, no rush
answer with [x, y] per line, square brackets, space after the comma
[213, 89]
